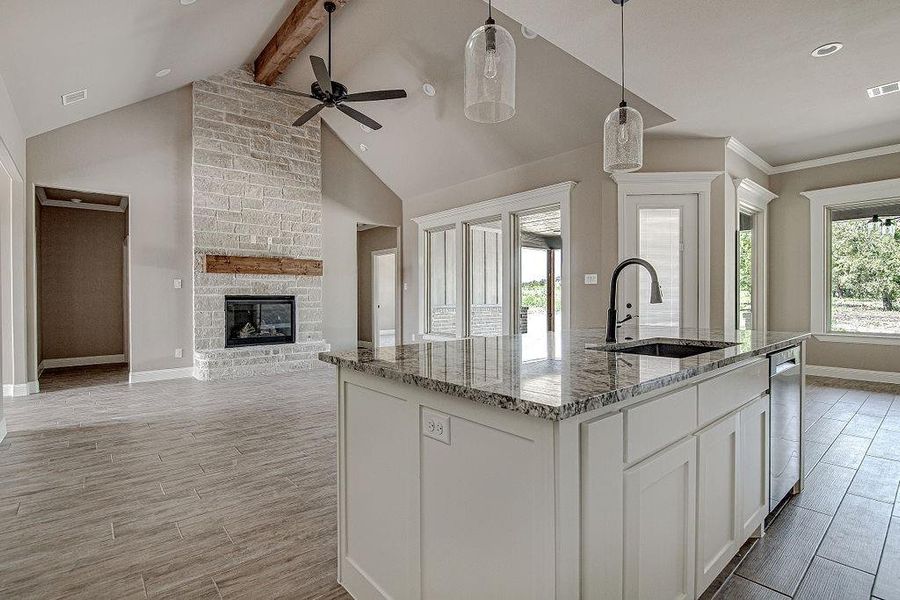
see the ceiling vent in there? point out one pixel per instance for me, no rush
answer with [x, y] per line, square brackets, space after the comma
[73, 97]
[881, 90]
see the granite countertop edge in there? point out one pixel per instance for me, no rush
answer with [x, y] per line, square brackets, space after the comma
[609, 399]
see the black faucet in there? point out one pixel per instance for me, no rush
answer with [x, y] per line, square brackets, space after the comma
[655, 293]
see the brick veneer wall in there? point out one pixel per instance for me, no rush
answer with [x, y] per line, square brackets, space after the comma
[256, 192]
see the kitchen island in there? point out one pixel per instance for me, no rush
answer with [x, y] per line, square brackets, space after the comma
[553, 467]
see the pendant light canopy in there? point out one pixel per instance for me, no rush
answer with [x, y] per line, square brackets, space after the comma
[490, 73]
[623, 130]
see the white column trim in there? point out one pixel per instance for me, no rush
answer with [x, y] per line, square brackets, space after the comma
[690, 182]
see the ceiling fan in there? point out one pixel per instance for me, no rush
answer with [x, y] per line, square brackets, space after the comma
[333, 94]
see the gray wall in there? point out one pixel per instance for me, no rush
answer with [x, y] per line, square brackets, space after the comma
[81, 280]
[351, 194]
[368, 241]
[789, 259]
[142, 151]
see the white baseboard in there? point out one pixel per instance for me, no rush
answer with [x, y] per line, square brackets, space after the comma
[2, 429]
[81, 361]
[141, 376]
[854, 374]
[20, 389]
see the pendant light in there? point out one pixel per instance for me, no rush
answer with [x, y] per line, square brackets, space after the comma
[623, 130]
[490, 73]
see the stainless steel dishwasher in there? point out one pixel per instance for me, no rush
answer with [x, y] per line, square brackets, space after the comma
[784, 424]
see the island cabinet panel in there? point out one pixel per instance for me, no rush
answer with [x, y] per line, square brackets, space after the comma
[602, 508]
[655, 424]
[483, 517]
[718, 484]
[754, 505]
[660, 524]
[376, 482]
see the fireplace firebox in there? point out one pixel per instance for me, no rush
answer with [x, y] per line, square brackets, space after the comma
[259, 320]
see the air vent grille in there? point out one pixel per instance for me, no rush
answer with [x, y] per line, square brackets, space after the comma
[73, 97]
[881, 90]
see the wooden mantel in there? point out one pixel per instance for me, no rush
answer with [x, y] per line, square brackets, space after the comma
[262, 265]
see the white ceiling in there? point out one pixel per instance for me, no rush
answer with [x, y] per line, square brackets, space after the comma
[742, 68]
[427, 143]
[114, 47]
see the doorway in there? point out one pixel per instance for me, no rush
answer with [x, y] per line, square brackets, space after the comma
[378, 281]
[664, 230]
[82, 287]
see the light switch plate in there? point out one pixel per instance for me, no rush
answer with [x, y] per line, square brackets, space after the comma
[436, 426]
[178, 353]
[590, 279]
[177, 284]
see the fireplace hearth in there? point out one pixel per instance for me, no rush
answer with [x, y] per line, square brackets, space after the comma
[259, 320]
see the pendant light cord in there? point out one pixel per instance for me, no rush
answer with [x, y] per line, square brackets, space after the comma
[622, 11]
[329, 44]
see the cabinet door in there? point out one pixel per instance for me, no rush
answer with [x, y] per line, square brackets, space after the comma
[718, 494]
[754, 475]
[660, 513]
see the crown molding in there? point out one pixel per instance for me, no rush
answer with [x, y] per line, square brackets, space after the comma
[749, 155]
[760, 163]
[752, 194]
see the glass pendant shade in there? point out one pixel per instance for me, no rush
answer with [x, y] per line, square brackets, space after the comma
[623, 141]
[490, 75]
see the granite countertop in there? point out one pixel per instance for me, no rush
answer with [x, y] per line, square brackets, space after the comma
[556, 376]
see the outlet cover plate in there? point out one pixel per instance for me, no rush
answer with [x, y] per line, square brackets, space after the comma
[436, 426]
[590, 279]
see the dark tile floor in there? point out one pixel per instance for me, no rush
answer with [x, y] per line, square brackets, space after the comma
[840, 538]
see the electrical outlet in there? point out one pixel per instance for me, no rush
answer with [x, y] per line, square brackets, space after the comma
[178, 353]
[177, 284]
[436, 426]
[590, 279]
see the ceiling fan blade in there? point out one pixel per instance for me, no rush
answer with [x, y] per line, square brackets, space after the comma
[257, 86]
[322, 76]
[355, 114]
[308, 115]
[376, 95]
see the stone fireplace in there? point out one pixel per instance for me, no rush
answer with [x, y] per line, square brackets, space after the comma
[256, 193]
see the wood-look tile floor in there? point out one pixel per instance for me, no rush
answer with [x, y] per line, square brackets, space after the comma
[839, 539]
[174, 489]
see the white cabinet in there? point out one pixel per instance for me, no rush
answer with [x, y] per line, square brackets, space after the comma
[718, 498]
[660, 513]
[754, 505]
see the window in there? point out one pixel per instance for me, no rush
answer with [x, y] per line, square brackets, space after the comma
[441, 283]
[863, 262]
[485, 258]
[660, 242]
[745, 278]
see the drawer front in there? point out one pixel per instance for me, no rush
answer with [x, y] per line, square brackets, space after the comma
[657, 423]
[721, 395]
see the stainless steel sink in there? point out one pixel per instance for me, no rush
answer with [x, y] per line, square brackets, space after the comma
[668, 348]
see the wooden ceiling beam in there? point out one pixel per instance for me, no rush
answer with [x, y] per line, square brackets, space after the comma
[300, 27]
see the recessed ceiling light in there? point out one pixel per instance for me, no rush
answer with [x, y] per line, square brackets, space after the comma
[827, 49]
[428, 89]
[365, 128]
[881, 90]
[187, 2]
[528, 34]
[363, 148]
[163, 72]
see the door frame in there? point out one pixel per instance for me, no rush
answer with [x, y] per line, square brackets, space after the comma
[751, 199]
[375, 328]
[692, 182]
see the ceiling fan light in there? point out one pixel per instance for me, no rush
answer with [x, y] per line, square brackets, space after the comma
[490, 95]
[623, 140]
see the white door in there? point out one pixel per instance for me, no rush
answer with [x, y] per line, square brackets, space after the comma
[384, 289]
[662, 229]
[718, 519]
[660, 525]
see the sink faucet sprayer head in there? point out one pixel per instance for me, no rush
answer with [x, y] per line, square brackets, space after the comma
[656, 296]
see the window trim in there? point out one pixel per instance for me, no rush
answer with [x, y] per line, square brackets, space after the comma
[506, 207]
[753, 199]
[820, 202]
